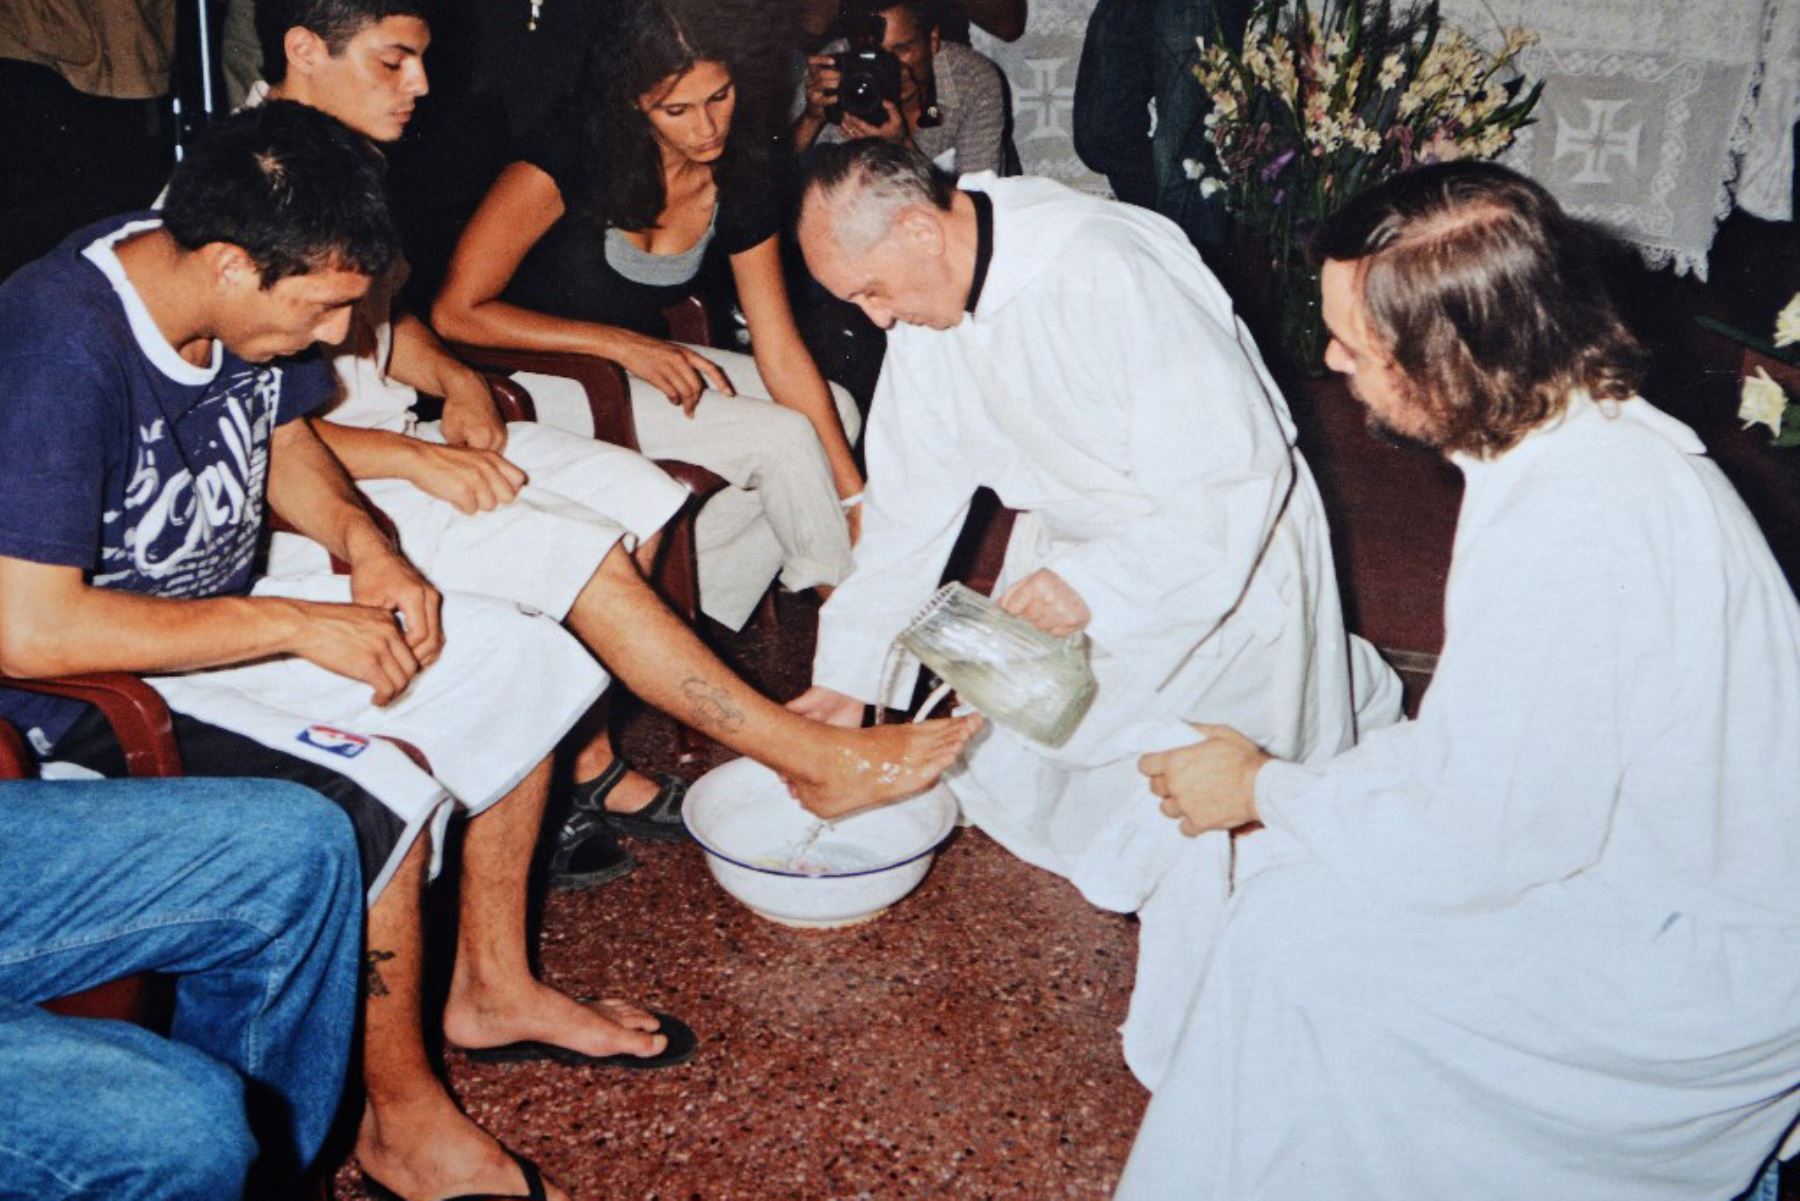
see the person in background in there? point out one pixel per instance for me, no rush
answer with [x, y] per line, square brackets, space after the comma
[523, 511]
[606, 220]
[1544, 940]
[1139, 113]
[247, 894]
[952, 102]
[1005, 19]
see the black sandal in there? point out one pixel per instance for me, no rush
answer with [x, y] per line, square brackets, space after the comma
[586, 852]
[660, 820]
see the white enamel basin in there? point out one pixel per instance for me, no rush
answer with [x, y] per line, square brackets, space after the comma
[742, 816]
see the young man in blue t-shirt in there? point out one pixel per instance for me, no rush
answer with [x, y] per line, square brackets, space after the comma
[145, 413]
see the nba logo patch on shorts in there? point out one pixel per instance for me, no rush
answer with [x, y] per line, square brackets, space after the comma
[338, 742]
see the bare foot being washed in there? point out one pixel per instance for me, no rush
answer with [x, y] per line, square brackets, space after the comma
[865, 768]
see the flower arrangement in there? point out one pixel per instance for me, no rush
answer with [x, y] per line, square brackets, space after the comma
[1762, 400]
[1323, 100]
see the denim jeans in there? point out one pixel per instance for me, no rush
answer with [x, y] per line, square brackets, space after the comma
[249, 894]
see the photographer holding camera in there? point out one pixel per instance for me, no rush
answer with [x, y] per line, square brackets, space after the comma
[893, 76]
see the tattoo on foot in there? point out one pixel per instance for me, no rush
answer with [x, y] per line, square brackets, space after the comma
[710, 705]
[373, 984]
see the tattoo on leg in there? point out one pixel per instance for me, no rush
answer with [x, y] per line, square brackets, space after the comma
[709, 704]
[373, 984]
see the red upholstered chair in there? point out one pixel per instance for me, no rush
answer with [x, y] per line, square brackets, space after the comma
[688, 322]
[15, 760]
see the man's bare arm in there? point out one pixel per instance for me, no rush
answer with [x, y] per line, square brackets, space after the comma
[309, 488]
[472, 480]
[53, 622]
[419, 360]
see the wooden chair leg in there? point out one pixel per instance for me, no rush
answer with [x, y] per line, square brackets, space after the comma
[678, 576]
[768, 617]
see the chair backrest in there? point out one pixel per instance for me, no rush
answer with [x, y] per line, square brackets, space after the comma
[139, 718]
[601, 380]
[15, 760]
[511, 399]
[688, 322]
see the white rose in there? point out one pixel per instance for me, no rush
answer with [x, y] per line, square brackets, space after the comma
[1762, 402]
[1787, 323]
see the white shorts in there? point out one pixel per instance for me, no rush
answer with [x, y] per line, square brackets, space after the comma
[581, 497]
[506, 688]
[780, 514]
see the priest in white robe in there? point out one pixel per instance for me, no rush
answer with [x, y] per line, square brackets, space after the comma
[1074, 355]
[1544, 941]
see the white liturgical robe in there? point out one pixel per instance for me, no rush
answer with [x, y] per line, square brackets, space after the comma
[1104, 387]
[1544, 941]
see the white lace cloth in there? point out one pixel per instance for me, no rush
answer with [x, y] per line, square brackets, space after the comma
[1657, 115]
[1040, 69]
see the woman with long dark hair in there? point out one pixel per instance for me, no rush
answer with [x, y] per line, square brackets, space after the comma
[661, 161]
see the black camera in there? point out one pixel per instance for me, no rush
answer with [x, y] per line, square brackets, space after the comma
[868, 76]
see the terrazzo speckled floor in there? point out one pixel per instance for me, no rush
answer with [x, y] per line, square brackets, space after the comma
[963, 1045]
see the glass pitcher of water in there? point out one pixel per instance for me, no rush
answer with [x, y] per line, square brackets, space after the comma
[1013, 673]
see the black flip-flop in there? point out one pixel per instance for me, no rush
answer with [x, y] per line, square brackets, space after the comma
[374, 1190]
[680, 1048]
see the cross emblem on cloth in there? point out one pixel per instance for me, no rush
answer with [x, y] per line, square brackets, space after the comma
[1044, 98]
[1603, 140]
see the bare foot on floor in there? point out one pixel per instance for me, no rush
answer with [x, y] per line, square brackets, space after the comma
[479, 1017]
[430, 1149]
[873, 766]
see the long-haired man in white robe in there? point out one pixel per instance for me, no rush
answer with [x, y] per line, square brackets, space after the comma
[1074, 355]
[1544, 941]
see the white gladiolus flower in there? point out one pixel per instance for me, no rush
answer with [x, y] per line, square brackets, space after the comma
[1517, 40]
[1210, 187]
[1493, 140]
[1787, 323]
[1762, 402]
[1192, 168]
[1391, 71]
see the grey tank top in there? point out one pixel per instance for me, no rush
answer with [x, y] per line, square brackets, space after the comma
[657, 270]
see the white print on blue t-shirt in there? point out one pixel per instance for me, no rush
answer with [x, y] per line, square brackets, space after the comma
[193, 504]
